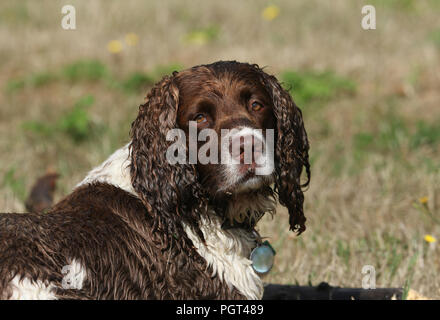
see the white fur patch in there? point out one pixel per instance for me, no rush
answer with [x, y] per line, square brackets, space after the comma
[115, 170]
[227, 252]
[74, 275]
[26, 289]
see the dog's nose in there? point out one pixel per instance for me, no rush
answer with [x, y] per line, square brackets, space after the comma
[246, 149]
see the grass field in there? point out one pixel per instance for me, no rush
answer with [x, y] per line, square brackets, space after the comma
[370, 101]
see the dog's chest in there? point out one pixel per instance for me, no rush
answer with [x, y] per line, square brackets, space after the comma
[227, 253]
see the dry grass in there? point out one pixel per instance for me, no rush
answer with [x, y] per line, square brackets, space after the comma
[371, 158]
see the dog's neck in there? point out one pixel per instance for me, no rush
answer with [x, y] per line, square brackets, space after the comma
[246, 209]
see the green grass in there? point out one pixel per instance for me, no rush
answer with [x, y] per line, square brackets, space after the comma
[15, 85]
[311, 86]
[202, 35]
[14, 180]
[406, 5]
[85, 70]
[343, 251]
[394, 261]
[32, 81]
[395, 136]
[42, 79]
[138, 81]
[141, 81]
[426, 134]
[166, 69]
[15, 13]
[434, 36]
[410, 276]
[75, 124]
[82, 70]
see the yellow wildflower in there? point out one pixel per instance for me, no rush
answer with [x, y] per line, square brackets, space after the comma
[423, 200]
[114, 46]
[131, 39]
[271, 12]
[430, 239]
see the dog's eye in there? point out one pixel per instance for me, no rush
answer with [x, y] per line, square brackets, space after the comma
[256, 106]
[200, 118]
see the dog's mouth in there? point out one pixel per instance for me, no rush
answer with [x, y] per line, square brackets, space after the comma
[251, 182]
[246, 183]
[249, 161]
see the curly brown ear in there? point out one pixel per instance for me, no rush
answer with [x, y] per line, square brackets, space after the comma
[291, 153]
[170, 192]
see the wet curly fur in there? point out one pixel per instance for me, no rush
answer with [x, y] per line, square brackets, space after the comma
[173, 192]
[136, 244]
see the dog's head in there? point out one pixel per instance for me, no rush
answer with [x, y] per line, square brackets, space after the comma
[214, 132]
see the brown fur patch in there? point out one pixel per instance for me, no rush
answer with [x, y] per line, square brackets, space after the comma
[111, 233]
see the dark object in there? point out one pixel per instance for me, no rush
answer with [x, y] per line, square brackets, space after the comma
[41, 196]
[326, 292]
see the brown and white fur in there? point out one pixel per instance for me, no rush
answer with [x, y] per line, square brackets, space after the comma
[139, 228]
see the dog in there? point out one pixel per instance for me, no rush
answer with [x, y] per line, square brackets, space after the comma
[142, 226]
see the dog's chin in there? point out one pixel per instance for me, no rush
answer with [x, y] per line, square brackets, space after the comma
[248, 182]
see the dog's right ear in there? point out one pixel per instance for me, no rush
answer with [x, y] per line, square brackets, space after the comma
[171, 192]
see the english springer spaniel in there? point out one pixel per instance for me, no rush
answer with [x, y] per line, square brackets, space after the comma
[147, 224]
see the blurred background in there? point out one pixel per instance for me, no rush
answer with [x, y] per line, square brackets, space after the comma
[370, 100]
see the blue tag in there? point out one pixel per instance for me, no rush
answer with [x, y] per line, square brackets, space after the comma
[263, 257]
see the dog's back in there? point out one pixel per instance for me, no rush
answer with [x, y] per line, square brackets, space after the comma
[98, 243]
[66, 252]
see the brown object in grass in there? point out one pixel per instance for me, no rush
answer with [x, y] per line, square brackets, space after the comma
[41, 197]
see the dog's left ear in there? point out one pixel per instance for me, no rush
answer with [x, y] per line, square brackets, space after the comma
[291, 152]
